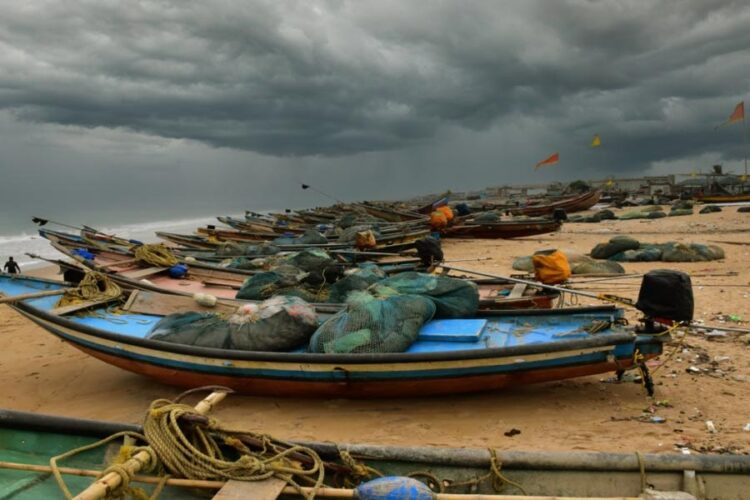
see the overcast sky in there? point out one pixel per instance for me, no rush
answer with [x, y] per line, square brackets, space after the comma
[206, 107]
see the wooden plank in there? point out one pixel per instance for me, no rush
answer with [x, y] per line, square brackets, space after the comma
[61, 311]
[145, 302]
[267, 489]
[233, 286]
[34, 295]
[142, 273]
[198, 272]
[122, 262]
[517, 291]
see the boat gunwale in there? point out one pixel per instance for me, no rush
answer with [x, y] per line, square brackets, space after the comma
[589, 461]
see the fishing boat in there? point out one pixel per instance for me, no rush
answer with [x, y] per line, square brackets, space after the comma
[496, 350]
[569, 205]
[502, 229]
[223, 282]
[31, 439]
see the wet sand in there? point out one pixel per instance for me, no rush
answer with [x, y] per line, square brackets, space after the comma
[43, 374]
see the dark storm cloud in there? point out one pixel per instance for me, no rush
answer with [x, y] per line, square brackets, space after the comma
[338, 78]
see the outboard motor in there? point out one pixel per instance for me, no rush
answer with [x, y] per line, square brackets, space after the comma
[429, 251]
[666, 296]
[559, 215]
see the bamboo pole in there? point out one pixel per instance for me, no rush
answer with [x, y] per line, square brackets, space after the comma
[289, 490]
[109, 482]
[35, 295]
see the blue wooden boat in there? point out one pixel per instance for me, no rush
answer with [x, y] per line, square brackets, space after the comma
[501, 349]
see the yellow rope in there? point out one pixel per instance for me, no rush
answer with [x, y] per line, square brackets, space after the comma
[155, 254]
[199, 451]
[93, 286]
[182, 442]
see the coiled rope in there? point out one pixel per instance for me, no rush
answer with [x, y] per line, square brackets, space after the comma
[94, 286]
[185, 443]
[155, 254]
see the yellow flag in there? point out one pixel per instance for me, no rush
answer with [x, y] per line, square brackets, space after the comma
[743, 178]
[596, 141]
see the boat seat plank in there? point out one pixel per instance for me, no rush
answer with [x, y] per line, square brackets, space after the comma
[517, 291]
[61, 311]
[452, 330]
[235, 285]
[267, 489]
[142, 273]
[145, 302]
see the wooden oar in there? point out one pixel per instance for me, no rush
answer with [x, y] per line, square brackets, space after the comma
[35, 295]
[606, 298]
[109, 482]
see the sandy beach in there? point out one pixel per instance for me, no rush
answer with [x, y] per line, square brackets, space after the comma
[43, 374]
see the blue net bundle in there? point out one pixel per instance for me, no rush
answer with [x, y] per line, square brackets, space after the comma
[277, 325]
[371, 324]
[453, 297]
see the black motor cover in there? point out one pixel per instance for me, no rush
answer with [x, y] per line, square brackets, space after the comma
[666, 294]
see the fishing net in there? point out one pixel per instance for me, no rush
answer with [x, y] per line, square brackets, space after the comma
[646, 253]
[349, 235]
[680, 211]
[709, 209]
[278, 324]
[487, 217]
[615, 245]
[454, 298]
[359, 278]
[283, 280]
[371, 324]
[348, 220]
[310, 237]
[251, 264]
[230, 249]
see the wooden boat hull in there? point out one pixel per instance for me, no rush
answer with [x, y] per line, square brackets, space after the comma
[502, 230]
[570, 205]
[351, 376]
[32, 438]
[719, 198]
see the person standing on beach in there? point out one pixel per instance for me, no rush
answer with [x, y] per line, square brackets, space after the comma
[12, 266]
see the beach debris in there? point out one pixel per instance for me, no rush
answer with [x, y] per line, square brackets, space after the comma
[693, 369]
[512, 432]
[710, 427]
[656, 419]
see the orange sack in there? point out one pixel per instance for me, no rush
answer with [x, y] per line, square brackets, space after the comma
[445, 209]
[438, 220]
[551, 268]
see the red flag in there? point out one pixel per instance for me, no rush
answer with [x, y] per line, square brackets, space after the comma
[549, 161]
[737, 115]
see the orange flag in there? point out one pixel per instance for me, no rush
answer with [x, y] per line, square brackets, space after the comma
[549, 161]
[737, 115]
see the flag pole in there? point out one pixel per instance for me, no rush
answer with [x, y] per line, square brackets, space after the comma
[744, 140]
